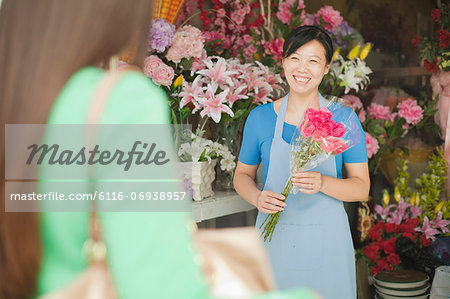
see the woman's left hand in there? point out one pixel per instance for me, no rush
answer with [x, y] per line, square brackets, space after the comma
[310, 182]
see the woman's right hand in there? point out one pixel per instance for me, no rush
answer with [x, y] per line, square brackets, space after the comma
[269, 202]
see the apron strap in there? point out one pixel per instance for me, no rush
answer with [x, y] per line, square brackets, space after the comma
[280, 118]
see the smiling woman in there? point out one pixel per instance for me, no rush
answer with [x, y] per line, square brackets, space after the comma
[315, 215]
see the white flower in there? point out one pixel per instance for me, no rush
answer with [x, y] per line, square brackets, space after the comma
[227, 164]
[349, 80]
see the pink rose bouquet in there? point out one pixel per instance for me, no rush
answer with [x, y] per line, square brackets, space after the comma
[328, 131]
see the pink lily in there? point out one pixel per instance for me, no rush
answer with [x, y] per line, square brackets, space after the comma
[254, 80]
[217, 71]
[235, 95]
[402, 206]
[427, 229]
[191, 93]
[383, 212]
[213, 105]
[415, 211]
[440, 223]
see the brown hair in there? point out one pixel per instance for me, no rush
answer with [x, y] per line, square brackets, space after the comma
[43, 43]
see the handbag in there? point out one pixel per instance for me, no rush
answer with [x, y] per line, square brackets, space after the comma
[234, 261]
[95, 282]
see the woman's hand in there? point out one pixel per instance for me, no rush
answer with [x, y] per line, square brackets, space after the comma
[269, 202]
[310, 182]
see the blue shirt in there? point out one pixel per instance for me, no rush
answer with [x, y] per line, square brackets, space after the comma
[259, 131]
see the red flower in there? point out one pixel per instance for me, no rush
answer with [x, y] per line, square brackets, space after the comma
[444, 38]
[374, 233]
[415, 41]
[371, 251]
[390, 227]
[393, 259]
[389, 246]
[431, 66]
[436, 15]
[408, 235]
[412, 222]
[425, 242]
[383, 264]
[375, 269]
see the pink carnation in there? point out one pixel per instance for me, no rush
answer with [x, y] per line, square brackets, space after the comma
[379, 111]
[372, 145]
[187, 42]
[331, 17]
[355, 103]
[284, 13]
[158, 71]
[410, 111]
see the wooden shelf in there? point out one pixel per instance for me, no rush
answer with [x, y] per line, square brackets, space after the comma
[221, 204]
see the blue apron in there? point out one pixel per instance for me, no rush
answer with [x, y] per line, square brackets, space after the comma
[311, 245]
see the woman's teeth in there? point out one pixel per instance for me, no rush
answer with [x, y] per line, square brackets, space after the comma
[301, 79]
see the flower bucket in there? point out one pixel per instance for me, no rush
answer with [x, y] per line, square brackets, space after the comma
[202, 175]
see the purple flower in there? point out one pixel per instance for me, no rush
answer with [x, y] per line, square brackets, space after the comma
[161, 35]
[341, 35]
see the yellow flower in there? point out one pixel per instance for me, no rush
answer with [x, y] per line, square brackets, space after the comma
[413, 199]
[336, 53]
[417, 199]
[256, 56]
[354, 52]
[386, 198]
[397, 195]
[178, 81]
[439, 207]
[365, 51]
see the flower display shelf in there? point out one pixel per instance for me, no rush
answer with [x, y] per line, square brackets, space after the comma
[223, 203]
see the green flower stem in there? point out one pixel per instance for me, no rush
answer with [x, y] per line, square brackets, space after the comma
[300, 159]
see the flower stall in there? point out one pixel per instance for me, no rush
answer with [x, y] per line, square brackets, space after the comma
[219, 59]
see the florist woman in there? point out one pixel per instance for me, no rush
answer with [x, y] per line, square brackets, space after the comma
[311, 245]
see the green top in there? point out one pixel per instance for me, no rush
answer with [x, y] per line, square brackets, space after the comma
[150, 255]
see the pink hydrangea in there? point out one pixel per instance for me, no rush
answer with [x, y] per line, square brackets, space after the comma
[379, 112]
[410, 111]
[372, 145]
[331, 17]
[284, 13]
[158, 71]
[187, 42]
[355, 103]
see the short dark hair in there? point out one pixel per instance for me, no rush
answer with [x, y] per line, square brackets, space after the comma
[304, 34]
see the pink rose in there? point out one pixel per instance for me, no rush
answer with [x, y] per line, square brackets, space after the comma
[410, 111]
[372, 145]
[322, 130]
[331, 17]
[333, 145]
[158, 71]
[307, 129]
[338, 130]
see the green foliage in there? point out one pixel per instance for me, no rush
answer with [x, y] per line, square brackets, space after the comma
[430, 186]
[401, 181]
